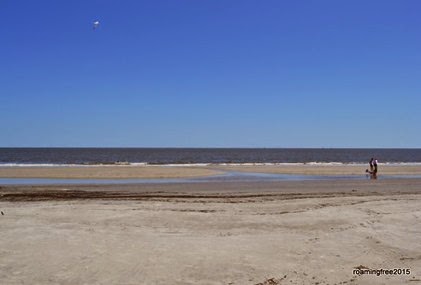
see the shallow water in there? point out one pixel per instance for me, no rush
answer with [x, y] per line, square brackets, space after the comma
[226, 177]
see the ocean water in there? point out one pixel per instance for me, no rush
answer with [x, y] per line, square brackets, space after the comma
[93, 156]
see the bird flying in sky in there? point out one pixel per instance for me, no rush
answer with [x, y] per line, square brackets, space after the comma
[95, 25]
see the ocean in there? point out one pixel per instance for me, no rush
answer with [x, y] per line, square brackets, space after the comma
[180, 156]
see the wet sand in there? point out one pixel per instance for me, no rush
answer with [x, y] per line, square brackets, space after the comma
[106, 172]
[159, 171]
[284, 232]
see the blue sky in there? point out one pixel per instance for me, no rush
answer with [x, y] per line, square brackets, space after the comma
[210, 73]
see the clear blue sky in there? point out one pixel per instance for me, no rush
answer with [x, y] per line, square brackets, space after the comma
[210, 73]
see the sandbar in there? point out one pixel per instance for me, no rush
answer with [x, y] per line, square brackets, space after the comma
[105, 172]
[162, 171]
[325, 169]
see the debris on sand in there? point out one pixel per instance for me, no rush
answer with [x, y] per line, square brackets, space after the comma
[272, 281]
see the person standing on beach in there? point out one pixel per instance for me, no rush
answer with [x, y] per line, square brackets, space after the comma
[371, 164]
[375, 166]
[374, 172]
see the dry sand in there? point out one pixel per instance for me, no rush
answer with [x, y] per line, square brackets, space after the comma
[308, 232]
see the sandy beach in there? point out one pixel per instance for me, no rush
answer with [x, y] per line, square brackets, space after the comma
[278, 232]
[210, 143]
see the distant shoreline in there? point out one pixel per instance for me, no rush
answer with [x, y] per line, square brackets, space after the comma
[136, 164]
